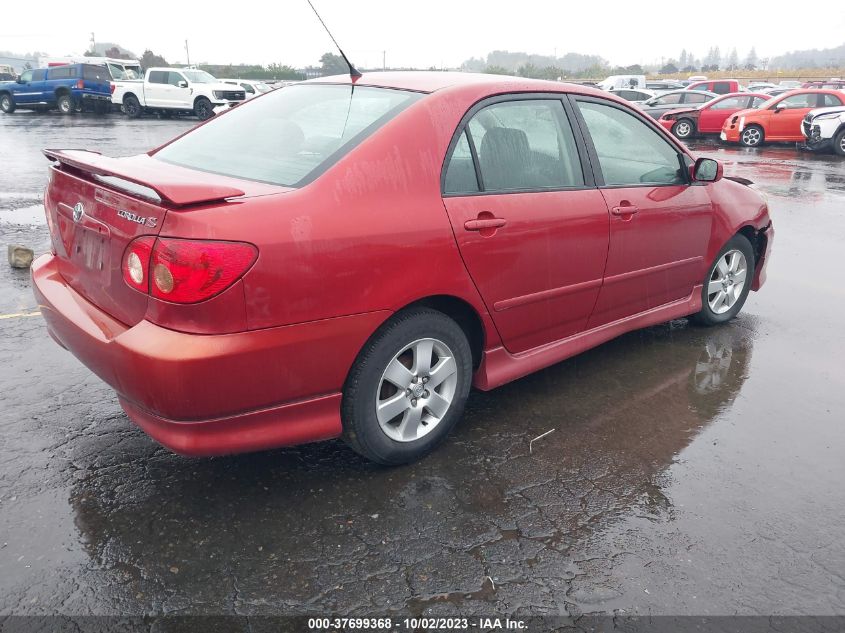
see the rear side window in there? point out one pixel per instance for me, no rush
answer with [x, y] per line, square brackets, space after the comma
[95, 73]
[158, 76]
[460, 173]
[629, 151]
[290, 136]
[522, 146]
[695, 97]
[830, 100]
[62, 72]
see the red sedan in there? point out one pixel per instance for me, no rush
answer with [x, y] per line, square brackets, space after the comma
[709, 117]
[339, 259]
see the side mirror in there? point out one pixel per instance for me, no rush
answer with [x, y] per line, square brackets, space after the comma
[19, 80]
[780, 106]
[183, 84]
[707, 170]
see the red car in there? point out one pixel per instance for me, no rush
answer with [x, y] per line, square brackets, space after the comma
[719, 86]
[341, 258]
[709, 117]
[779, 119]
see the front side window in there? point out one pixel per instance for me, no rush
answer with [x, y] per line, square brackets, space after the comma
[290, 136]
[721, 87]
[756, 102]
[174, 78]
[731, 103]
[26, 76]
[39, 75]
[525, 145]
[798, 101]
[629, 151]
[669, 99]
[199, 77]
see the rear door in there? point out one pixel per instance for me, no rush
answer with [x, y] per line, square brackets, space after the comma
[660, 223]
[529, 222]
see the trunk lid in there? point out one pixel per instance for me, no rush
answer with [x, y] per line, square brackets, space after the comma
[97, 205]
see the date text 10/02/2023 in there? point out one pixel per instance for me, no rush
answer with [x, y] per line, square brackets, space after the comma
[414, 624]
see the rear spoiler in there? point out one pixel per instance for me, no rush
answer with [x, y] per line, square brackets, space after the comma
[174, 185]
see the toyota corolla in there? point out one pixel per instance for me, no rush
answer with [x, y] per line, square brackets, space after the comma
[347, 258]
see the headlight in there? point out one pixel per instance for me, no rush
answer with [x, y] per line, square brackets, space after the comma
[825, 117]
[217, 94]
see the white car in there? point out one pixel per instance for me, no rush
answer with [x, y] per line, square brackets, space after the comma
[251, 87]
[177, 90]
[634, 96]
[825, 127]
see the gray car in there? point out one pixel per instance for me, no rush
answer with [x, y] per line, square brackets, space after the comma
[659, 104]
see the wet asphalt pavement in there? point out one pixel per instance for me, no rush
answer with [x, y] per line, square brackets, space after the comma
[689, 471]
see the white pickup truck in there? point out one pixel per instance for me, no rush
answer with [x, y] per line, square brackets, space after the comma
[176, 90]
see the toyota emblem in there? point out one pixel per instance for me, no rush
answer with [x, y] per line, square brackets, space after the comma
[78, 211]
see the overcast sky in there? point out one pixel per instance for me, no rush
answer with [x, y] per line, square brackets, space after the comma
[421, 34]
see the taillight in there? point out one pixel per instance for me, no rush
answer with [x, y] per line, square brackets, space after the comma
[111, 87]
[80, 84]
[185, 271]
[136, 263]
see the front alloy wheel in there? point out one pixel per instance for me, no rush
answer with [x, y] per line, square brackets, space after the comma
[683, 129]
[727, 283]
[752, 136]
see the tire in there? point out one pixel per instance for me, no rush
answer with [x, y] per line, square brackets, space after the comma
[839, 142]
[203, 109]
[683, 128]
[722, 297]
[132, 107]
[65, 104]
[752, 136]
[7, 104]
[420, 420]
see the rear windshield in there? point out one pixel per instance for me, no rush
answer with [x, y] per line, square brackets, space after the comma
[95, 73]
[288, 137]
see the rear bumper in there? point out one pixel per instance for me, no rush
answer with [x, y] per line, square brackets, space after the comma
[211, 394]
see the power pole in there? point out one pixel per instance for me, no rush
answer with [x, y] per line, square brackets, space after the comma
[187, 54]
[384, 60]
[93, 50]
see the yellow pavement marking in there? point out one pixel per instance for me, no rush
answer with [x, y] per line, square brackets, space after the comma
[19, 315]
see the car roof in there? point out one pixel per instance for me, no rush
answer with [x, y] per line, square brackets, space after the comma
[432, 81]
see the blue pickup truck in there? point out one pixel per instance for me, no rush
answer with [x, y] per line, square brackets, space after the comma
[69, 88]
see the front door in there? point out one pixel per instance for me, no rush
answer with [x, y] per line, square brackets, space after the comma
[531, 227]
[713, 115]
[660, 223]
[785, 119]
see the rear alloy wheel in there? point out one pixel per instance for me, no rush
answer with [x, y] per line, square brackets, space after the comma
[65, 104]
[752, 136]
[408, 387]
[683, 128]
[727, 283]
[132, 107]
[7, 104]
[839, 142]
[203, 109]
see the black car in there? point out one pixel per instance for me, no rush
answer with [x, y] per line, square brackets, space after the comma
[659, 104]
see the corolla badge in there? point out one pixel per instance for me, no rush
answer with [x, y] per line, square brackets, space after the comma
[78, 211]
[137, 219]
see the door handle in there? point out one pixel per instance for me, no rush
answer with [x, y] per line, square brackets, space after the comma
[485, 223]
[625, 209]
